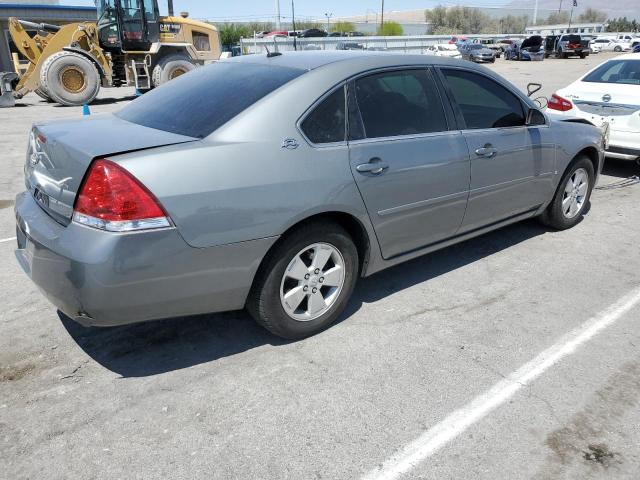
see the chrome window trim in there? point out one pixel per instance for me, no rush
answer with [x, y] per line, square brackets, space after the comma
[396, 138]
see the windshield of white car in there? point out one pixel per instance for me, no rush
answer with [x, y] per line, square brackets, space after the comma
[616, 71]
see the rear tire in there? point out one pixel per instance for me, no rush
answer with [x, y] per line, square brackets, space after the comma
[286, 288]
[572, 196]
[583, 55]
[170, 67]
[43, 95]
[70, 79]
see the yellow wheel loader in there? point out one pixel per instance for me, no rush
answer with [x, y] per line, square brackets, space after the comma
[130, 44]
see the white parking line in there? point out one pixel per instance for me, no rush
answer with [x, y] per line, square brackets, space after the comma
[456, 423]
[3, 240]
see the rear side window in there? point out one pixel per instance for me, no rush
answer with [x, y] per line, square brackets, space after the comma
[483, 102]
[327, 122]
[399, 103]
[200, 102]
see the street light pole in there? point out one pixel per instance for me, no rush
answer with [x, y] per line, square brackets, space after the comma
[328, 15]
[382, 17]
[278, 26]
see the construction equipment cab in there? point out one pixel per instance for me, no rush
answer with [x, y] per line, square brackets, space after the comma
[130, 44]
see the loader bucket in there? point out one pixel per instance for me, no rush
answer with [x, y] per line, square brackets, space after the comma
[8, 80]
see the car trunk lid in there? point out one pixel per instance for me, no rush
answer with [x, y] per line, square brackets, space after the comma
[617, 104]
[60, 152]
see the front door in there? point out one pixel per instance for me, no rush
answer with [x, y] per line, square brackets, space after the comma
[512, 164]
[411, 169]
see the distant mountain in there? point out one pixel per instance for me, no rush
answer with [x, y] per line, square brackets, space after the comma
[619, 8]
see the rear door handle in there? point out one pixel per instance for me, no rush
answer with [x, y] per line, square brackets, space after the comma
[487, 151]
[375, 166]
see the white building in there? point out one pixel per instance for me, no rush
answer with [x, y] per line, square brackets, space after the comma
[586, 28]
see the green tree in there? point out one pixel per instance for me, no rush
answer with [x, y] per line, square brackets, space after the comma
[305, 25]
[558, 18]
[231, 33]
[513, 24]
[591, 15]
[343, 27]
[437, 17]
[622, 24]
[390, 29]
[259, 27]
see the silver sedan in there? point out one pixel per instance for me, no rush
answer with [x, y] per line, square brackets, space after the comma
[274, 182]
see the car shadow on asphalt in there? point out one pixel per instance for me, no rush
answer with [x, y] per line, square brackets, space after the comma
[619, 168]
[162, 346]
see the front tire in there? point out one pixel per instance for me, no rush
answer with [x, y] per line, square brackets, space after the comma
[305, 283]
[70, 79]
[170, 67]
[572, 196]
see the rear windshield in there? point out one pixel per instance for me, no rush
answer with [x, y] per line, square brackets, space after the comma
[616, 71]
[200, 102]
[571, 38]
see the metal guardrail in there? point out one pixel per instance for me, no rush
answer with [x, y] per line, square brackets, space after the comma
[406, 44]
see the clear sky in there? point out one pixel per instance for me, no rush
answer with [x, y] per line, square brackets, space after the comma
[265, 9]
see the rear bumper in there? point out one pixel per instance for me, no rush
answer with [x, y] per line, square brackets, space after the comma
[624, 145]
[104, 279]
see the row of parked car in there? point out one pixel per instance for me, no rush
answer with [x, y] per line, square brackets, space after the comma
[534, 48]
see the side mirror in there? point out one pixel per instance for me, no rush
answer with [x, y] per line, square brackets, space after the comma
[535, 117]
[533, 88]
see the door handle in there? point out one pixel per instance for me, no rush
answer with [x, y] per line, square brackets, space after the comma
[375, 166]
[487, 151]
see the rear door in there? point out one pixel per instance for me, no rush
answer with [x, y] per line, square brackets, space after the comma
[512, 164]
[412, 170]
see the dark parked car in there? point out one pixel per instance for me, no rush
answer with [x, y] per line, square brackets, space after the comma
[564, 46]
[184, 202]
[312, 33]
[477, 53]
[528, 49]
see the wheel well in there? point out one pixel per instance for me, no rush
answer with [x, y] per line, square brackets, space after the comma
[166, 51]
[592, 154]
[351, 224]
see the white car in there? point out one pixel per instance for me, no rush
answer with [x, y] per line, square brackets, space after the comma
[444, 50]
[610, 45]
[610, 93]
[595, 47]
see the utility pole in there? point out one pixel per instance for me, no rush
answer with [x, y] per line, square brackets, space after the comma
[328, 15]
[293, 24]
[535, 13]
[571, 16]
[278, 26]
[382, 17]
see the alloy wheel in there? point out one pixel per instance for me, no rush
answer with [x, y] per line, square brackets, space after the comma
[575, 193]
[312, 282]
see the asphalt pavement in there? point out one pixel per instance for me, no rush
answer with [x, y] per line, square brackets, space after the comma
[515, 355]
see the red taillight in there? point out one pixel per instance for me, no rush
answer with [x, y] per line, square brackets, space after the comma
[112, 199]
[556, 102]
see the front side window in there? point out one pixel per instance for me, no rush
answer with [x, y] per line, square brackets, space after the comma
[399, 103]
[483, 102]
[327, 122]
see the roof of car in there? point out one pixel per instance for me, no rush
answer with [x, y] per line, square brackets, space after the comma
[313, 59]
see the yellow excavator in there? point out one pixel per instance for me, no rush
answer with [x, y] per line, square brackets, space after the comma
[130, 44]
